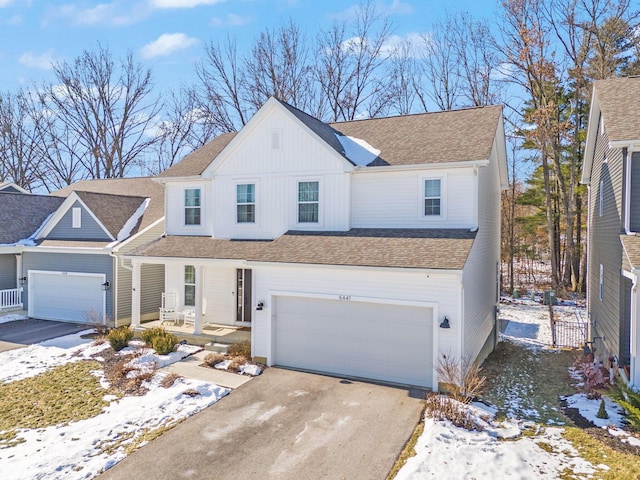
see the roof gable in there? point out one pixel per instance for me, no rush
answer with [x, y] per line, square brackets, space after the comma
[22, 215]
[10, 187]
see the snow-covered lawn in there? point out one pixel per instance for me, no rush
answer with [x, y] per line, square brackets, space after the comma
[446, 451]
[82, 449]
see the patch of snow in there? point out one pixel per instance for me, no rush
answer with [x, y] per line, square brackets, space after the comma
[358, 150]
[82, 449]
[128, 227]
[253, 370]
[12, 317]
[223, 365]
[588, 408]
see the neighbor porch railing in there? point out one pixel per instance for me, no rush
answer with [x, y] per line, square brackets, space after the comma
[11, 298]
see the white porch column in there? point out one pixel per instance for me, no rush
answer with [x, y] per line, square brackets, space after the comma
[135, 295]
[197, 327]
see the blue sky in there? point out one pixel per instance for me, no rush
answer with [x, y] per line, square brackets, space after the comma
[169, 35]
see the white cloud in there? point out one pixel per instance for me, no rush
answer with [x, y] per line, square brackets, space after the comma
[14, 20]
[5, 3]
[398, 7]
[43, 61]
[116, 13]
[231, 20]
[182, 3]
[413, 41]
[166, 44]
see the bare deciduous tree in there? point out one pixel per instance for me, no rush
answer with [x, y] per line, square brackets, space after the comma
[109, 107]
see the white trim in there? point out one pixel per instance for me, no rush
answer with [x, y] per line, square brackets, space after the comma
[101, 276]
[199, 207]
[80, 250]
[442, 177]
[76, 217]
[117, 246]
[5, 185]
[601, 198]
[62, 210]
[601, 283]
[423, 166]
[248, 181]
[308, 225]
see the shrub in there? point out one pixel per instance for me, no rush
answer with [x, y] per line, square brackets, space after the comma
[462, 379]
[165, 343]
[441, 407]
[602, 411]
[148, 333]
[169, 379]
[593, 378]
[629, 400]
[213, 359]
[119, 337]
[240, 349]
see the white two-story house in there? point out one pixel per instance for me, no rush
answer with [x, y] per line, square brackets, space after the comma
[365, 248]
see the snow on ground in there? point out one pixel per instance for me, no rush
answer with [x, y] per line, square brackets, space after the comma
[12, 317]
[82, 449]
[447, 451]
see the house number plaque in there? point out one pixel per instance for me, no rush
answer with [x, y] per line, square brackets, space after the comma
[344, 297]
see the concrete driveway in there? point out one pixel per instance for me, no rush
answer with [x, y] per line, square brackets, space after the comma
[29, 331]
[285, 425]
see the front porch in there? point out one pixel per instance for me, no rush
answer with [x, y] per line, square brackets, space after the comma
[210, 334]
[11, 298]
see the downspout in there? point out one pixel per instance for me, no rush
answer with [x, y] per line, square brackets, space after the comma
[635, 338]
[627, 155]
[588, 253]
[115, 282]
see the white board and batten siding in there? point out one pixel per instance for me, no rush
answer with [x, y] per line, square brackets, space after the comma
[395, 199]
[174, 208]
[433, 294]
[481, 269]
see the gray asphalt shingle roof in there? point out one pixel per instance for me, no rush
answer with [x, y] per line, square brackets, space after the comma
[21, 215]
[445, 249]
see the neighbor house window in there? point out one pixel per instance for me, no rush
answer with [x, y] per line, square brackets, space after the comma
[246, 203]
[308, 202]
[76, 217]
[192, 206]
[601, 199]
[432, 197]
[601, 289]
[189, 285]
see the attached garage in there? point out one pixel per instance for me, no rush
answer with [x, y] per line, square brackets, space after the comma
[379, 341]
[66, 296]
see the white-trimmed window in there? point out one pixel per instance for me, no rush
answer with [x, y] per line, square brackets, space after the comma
[308, 202]
[601, 199]
[246, 203]
[192, 206]
[432, 197]
[76, 217]
[601, 283]
[189, 285]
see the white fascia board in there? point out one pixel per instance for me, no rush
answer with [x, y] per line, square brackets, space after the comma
[500, 143]
[117, 246]
[10, 249]
[429, 271]
[592, 134]
[4, 186]
[631, 144]
[423, 166]
[62, 210]
[79, 250]
[165, 180]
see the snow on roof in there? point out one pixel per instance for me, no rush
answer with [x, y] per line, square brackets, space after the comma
[128, 227]
[358, 150]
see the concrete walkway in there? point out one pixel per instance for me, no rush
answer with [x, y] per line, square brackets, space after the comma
[285, 425]
[189, 367]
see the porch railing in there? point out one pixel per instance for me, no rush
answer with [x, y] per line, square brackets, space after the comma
[11, 298]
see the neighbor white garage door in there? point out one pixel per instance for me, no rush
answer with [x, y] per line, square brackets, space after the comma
[65, 296]
[370, 340]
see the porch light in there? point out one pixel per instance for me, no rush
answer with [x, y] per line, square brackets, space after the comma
[23, 280]
[260, 305]
[106, 285]
[445, 323]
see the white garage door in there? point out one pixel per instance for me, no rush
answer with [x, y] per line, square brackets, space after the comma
[65, 296]
[370, 340]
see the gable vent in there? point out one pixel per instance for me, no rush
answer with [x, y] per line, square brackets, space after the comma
[276, 139]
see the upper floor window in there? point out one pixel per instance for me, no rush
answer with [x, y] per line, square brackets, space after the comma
[246, 203]
[189, 285]
[308, 202]
[192, 206]
[432, 197]
[601, 283]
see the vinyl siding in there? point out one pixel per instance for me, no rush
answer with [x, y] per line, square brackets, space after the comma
[174, 208]
[396, 199]
[7, 271]
[89, 230]
[69, 262]
[152, 279]
[604, 245]
[480, 271]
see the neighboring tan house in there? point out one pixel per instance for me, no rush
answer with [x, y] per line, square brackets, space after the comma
[68, 266]
[365, 249]
[612, 171]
